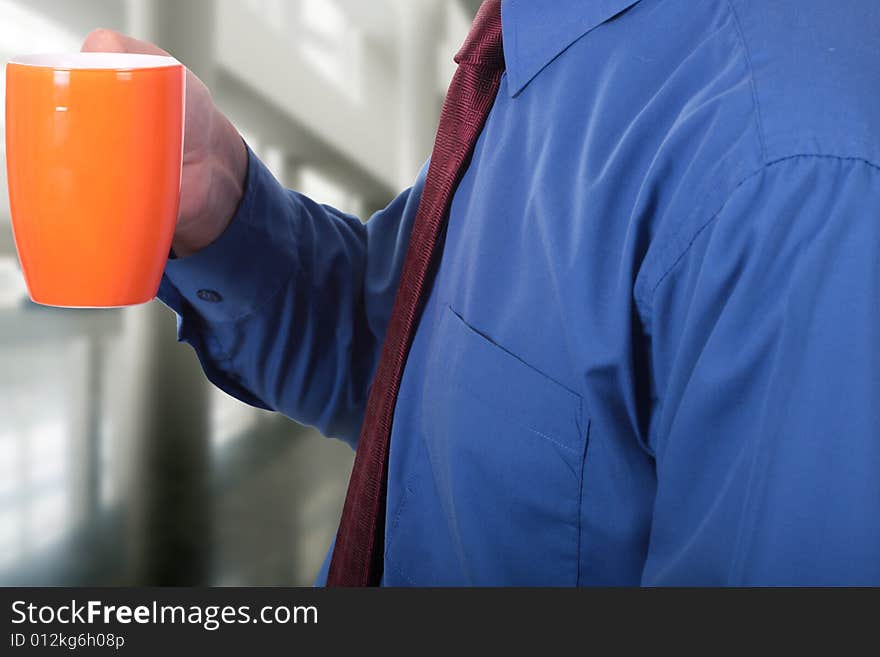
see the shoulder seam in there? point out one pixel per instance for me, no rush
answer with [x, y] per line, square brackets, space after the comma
[646, 300]
[759, 123]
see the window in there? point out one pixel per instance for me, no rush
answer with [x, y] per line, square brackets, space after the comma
[12, 288]
[275, 160]
[273, 13]
[331, 44]
[230, 418]
[316, 185]
[36, 447]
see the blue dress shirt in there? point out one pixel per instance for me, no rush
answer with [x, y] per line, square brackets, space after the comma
[651, 353]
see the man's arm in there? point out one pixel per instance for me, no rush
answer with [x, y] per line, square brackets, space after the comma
[285, 301]
[766, 353]
[287, 309]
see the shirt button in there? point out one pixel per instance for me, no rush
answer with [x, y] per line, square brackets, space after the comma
[209, 295]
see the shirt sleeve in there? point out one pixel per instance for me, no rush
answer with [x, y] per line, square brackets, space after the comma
[766, 365]
[287, 309]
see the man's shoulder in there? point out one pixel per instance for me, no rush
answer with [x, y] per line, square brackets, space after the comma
[745, 84]
[814, 69]
[808, 69]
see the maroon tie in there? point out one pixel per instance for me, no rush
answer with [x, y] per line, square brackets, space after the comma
[358, 556]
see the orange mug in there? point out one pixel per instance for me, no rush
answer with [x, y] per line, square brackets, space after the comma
[94, 148]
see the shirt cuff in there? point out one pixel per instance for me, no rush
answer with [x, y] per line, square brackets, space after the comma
[247, 264]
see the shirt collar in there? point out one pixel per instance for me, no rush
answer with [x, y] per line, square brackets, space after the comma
[537, 31]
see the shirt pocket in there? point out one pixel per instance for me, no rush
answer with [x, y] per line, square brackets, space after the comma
[506, 445]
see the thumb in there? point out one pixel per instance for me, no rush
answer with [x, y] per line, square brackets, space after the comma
[104, 40]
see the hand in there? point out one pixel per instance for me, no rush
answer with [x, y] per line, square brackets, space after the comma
[214, 155]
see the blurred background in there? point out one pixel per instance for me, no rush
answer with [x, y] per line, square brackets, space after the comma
[119, 463]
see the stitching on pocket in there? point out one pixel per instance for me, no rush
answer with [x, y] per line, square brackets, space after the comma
[567, 399]
[580, 505]
[519, 360]
[471, 391]
[407, 494]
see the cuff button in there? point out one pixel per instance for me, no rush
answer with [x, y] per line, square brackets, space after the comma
[209, 295]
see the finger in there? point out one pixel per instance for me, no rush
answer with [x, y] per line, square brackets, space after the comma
[104, 40]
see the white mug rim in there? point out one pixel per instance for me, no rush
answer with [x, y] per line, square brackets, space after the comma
[96, 61]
